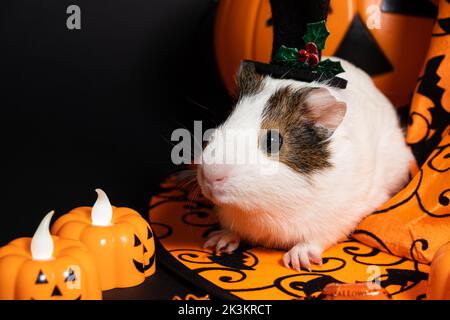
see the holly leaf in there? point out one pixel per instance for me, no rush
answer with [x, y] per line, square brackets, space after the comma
[316, 32]
[330, 68]
[285, 55]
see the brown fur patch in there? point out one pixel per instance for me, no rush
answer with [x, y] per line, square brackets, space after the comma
[249, 82]
[305, 146]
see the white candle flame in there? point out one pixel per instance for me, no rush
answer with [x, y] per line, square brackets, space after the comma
[101, 213]
[42, 243]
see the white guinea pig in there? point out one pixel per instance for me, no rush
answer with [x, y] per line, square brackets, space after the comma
[337, 155]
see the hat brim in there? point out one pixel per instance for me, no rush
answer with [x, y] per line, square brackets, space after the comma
[289, 72]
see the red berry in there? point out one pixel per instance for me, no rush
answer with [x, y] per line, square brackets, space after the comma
[313, 60]
[311, 47]
[302, 55]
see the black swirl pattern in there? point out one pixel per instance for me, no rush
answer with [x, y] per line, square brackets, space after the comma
[251, 271]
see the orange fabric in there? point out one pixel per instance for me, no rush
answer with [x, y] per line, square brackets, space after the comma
[415, 223]
[182, 220]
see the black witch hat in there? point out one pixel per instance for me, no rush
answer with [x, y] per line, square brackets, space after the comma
[299, 35]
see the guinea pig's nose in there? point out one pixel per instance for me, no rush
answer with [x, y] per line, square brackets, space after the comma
[216, 173]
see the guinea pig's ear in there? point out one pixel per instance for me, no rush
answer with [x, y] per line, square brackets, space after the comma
[324, 110]
[248, 81]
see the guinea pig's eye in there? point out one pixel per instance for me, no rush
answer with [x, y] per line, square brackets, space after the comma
[271, 142]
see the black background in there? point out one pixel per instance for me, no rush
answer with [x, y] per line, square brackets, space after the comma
[96, 107]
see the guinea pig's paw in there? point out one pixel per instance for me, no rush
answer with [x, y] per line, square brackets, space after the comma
[222, 240]
[302, 255]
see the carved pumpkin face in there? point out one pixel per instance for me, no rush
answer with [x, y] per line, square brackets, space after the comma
[56, 280]
[65, 272]
[145, 255]
[122, 244]
[372, 34]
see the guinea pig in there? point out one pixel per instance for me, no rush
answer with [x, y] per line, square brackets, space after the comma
[327, 157]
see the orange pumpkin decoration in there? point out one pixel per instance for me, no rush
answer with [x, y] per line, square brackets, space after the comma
[47, 268]
[415, 223]
[119, 239]
[439, 280]
[387, 40]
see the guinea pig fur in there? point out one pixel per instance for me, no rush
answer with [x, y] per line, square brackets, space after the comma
[339, 154]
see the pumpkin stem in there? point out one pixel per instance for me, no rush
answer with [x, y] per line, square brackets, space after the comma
[42, 242]
[101, 213]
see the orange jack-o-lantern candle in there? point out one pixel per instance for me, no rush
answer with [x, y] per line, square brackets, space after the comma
[119, 239]
[47, 268]
[439, 277]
